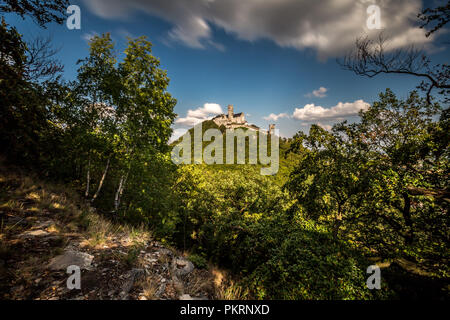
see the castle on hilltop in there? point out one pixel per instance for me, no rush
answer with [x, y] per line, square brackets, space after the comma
[233, 121]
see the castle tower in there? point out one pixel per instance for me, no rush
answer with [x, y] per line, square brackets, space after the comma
[230, 112]
[271, 129]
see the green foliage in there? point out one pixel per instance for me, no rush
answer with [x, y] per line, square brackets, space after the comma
[199, 261]
[132, 256]
[241, 220]
[106, 132]
[381, 182]
[287, 160]
[377, 188]
[42, 12]
[24, 118]
[117, 122]
[305, 262]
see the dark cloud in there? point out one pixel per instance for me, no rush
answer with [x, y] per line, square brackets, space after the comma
[328, 26]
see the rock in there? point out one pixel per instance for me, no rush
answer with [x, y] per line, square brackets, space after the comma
[150, 258]
[165, 252]
[33, 234]
[132, 276]
[16, 290]
[182, 267]
[177, 284]
[54, 240]
[70, 257]
[181, 263]
[43, 224]
[161, 290]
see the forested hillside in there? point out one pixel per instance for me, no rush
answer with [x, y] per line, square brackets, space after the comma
[374, 191]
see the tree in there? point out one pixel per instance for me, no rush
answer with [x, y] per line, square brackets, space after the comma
[397, 134]
[372, 57]
[438, 16]
[331, 179]
[145, 109]
[23, 110]
[42, 12]
[41, 63]
[98, 82]
[383, 179]
[12, 62]
[25, 72]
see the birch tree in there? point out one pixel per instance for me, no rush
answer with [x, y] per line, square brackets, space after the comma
[145, 109]
[98, 81]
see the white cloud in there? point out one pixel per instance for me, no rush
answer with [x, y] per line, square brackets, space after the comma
[327, 127]
[275, 117]
[188, 121]
[329, 26]
[200, 114]
[191, 32]
[311, 112]
[177, 133]
[89, 35]
[319, 93]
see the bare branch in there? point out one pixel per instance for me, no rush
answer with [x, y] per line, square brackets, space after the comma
[439, 15]
[42, 12]
[372, 57]
[41, 63]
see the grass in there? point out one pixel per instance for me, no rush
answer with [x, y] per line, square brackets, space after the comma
[26, 194]
[131, 258]
[150, 286]
[29, 200]
[226, 288]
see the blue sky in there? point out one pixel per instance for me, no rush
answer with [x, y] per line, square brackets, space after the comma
[262, 58]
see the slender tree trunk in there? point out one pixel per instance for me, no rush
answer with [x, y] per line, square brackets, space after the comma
[408, 221]
[102, 180]
[337, 226]
[119, 192]
[337, 222]
[184, 230]
[88, 176]
[116, 197]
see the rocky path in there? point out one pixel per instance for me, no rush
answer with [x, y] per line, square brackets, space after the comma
[37, 249]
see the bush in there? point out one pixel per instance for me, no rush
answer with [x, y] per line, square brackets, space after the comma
[199, 261]
[241, 221]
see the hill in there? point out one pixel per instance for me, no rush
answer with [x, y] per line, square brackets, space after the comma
[286, 160]
[46, 227]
